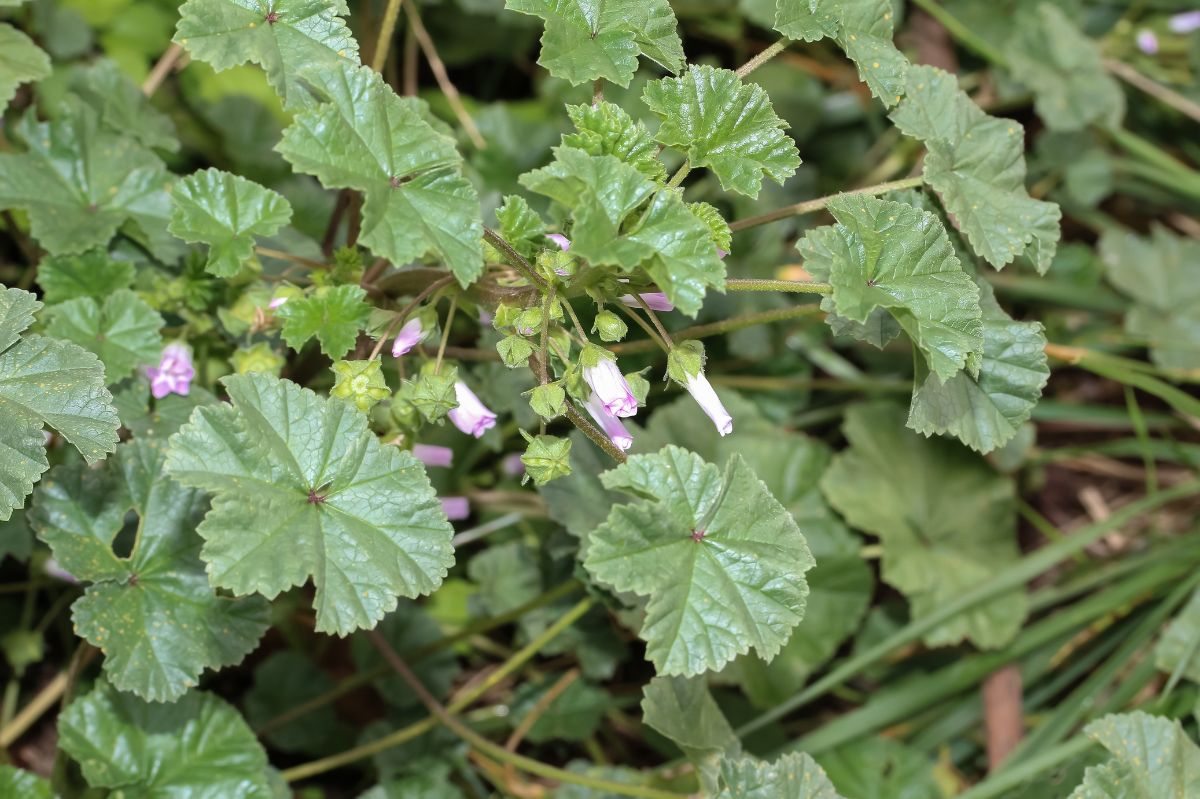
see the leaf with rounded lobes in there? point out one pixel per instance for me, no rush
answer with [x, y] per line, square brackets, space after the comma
[986, 410]
[225, 212]
[121, 105]
[586, 40]
[520, 225]
[281, 36]
[976, 164]
[793, 776]
[121, 330]
[22, 784]
[894, 483]
[21, 61]
[1151, 757]
[302, 488]
[725, 125]
[198, 747]
[667, 239]
[78, 181]
[333, 315]
[721, 561]
[606, 129]
[885, 254]
[153, 613]
[44, 381]
[362, 136]
[1064, 69]
[92, 274]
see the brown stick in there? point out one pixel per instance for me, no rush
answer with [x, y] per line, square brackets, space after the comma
[163, 66]
[439, 73]
[1002, 703]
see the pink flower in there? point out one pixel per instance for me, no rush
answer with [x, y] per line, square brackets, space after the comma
[455, 508]
[611, 388]
[655, 301]
[562, 241]
[611, 425]
[409, 336]
[275, 303]
[1187, 22]
[722, 253]
[430, 455]
[702, 392]
[1147, 42]
[174, 372]
[471, 416]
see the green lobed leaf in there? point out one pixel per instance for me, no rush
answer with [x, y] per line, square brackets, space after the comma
[92, 274]
[44, 381]
[1151, 757]
[725, 125]
[21, 784]
[21, 61]
[976, 164]
[606, 129]
[80, 182]
[721, 561]
[225, 212]
[332, 315]
[885, 254]
[302, 488]
[363, 136]
[153, 614]
[985, 410]
[198, 747]
[1179, 647]
[121, 105]
[792, 776]
[282, 36]
[586, 40]
[520, 225]
[893, 483]
[1064, 69]
[667, 239]
[122, 330]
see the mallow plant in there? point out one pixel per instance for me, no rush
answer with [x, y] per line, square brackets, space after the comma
[382, 442]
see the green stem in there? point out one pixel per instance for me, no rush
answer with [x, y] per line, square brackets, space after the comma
[1008, 779]
[723, 326]
[763, 57]
[791, 286]
[678, 177]
[437, 366]
[383, 42]
[512, 664]
[811, 206]
[644, 344]
[515, 258]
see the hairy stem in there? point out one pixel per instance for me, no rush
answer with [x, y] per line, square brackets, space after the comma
[383, 42]
[791, 286]
[598, 438]
[515, 258]
[763, 57]
[723, 326]
[811, 206]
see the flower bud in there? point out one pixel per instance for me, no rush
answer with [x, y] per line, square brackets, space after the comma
[547, 458]
[1147, 42]
[174, 372]
[562, 241]
[514, 351]
[610, 326]
[471, 416]
[704, 395]
[433, 392]
[360, 382]
[410, 335]
[611, 387]
[655, 301]
[548, 401]
[432, 455]
[684, 360]
[259, 358]
[611, 425]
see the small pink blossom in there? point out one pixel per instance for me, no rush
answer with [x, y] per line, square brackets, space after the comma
[410, 335]
[53, 569]
[1147, 42]
[722, 253]
[655, 301]
[611, 425]
[562, 241]
[276, 303]
[431, 455]
[1187, 22]
[704, 395]
[512, 465]
[456, 508]
[174, 372]
[611, 388]
[471, 416]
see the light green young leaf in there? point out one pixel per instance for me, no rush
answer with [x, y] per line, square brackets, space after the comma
[92, 274]
[198, 747]
[862, 28]
[225, 212]
[667, 239]
[121, 105]
[1160, 273]
[885, 254]
[893, 483]
[1179, 647]
[153, 614]
[21, 61]
[333, 315]
[1064, 69]
[80, 182]
[586, 40]
[281, 36]
[22, 784]
[721, 561]
[1151, 757]
[605, 129]
[976, 164]
[44, 381]
[520, 225]
[302, 488]
[683, 710]
[725, 125]
[986, 410]
[792, 776]
[122, 330]
[362, 136]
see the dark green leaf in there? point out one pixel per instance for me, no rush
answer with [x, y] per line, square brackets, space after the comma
[121, 330]
[333, 315]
